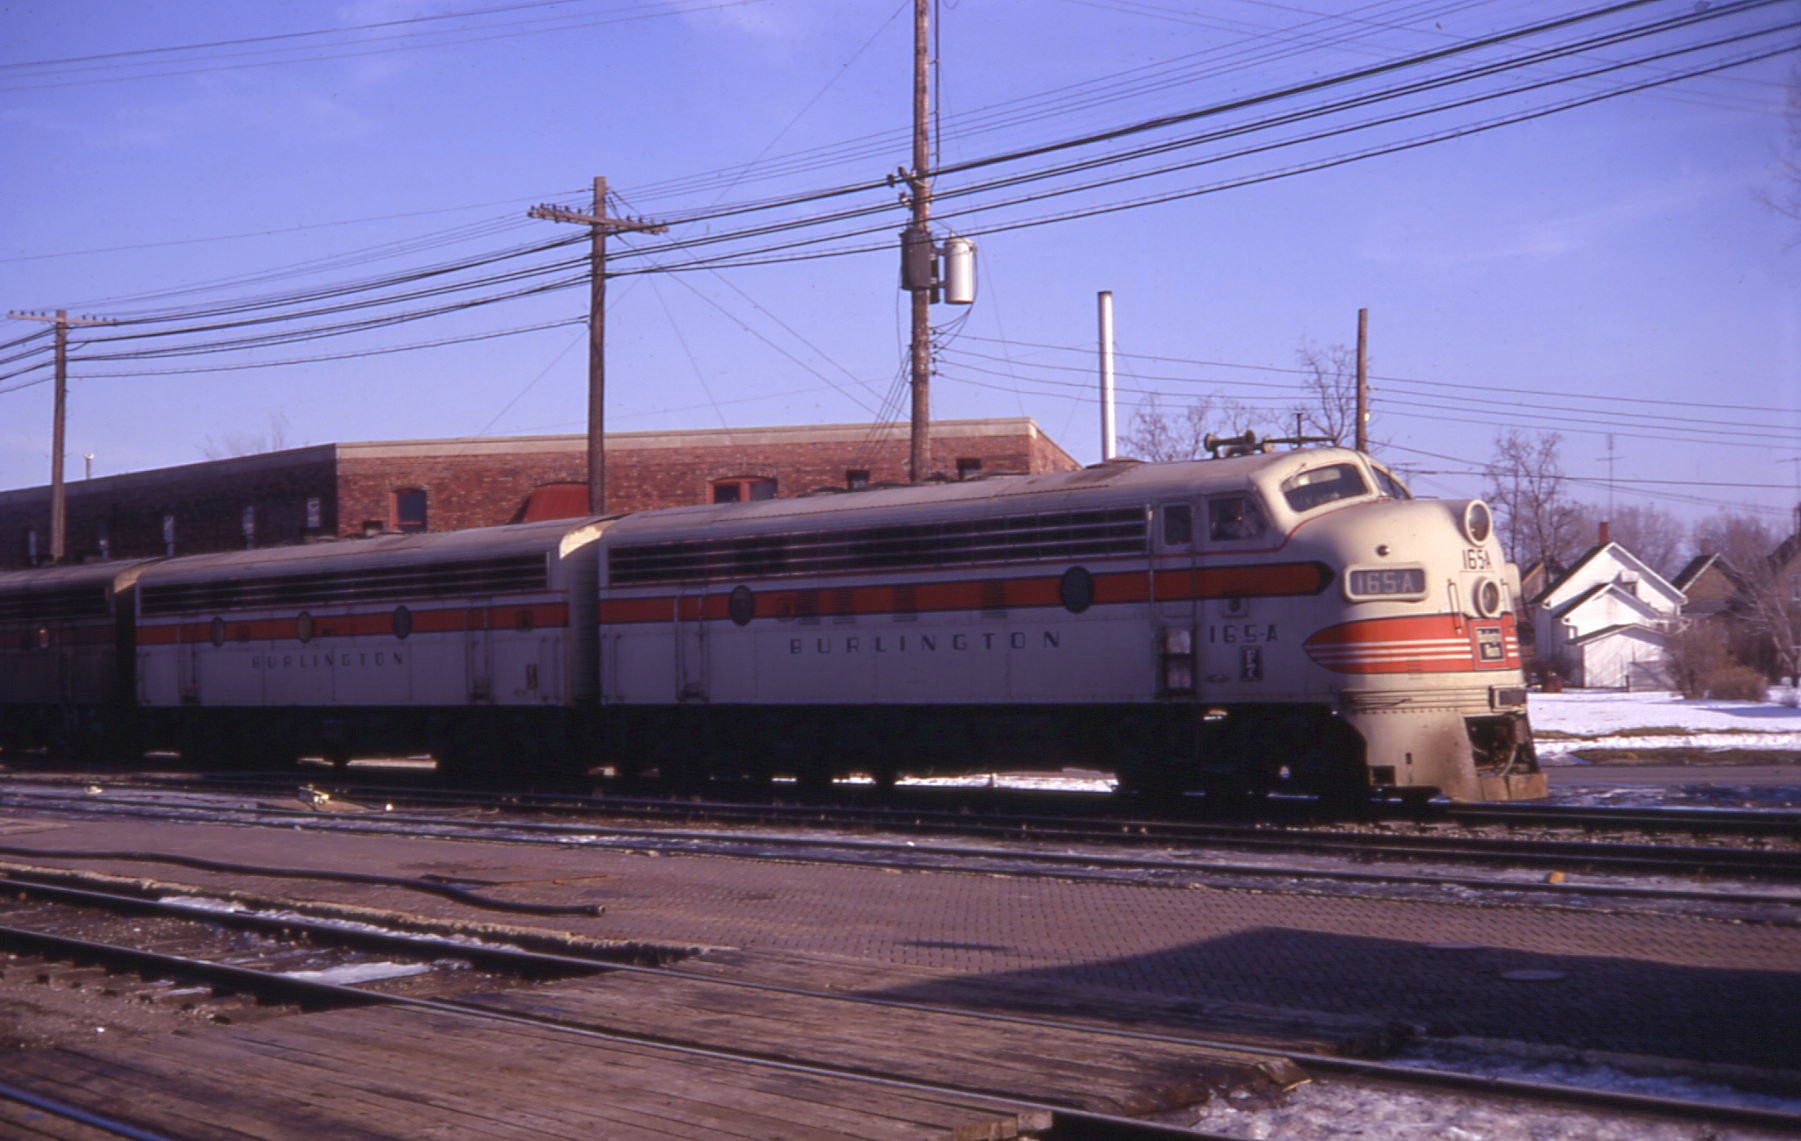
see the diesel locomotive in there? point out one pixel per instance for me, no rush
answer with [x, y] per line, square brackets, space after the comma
[1268, 621]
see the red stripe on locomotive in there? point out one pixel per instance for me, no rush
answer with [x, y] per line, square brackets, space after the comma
[1433, 643]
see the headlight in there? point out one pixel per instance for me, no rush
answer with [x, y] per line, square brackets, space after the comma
[1488, 597]
[1478, 521]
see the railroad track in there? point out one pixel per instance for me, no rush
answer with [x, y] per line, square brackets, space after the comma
[49, 906]
[1016, 847]
[894, 807]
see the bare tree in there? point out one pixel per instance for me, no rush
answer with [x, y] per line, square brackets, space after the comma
[1533, 511]
[1784, 194]
[1766, 569]
[1161, 435]
[272, 439]
[1653, 534]
[1330, 410]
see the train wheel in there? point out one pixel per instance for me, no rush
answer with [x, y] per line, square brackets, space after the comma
[1151, 783]
[813, 778]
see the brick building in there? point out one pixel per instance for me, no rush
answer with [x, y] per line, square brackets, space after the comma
[448, 485]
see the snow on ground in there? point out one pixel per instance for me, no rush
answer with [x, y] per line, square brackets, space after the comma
[1611, 719]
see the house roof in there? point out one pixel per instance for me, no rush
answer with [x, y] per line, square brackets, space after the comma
[1629, 629]
[1695, 568]
[1631, 600]
[1623, 556]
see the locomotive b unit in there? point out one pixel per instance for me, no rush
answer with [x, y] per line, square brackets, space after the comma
[1271, 621]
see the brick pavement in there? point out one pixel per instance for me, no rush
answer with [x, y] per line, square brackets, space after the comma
[1686, 987]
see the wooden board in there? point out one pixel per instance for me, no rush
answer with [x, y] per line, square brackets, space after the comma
[1232, 1023]
[1076, 1068]
[389, 1072]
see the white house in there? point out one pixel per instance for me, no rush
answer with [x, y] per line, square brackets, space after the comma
[1607, 621]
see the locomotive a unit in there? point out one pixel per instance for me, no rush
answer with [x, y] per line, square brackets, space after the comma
[1288, 621]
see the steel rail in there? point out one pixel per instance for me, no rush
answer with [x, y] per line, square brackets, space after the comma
[59, 1108]
[746, 847]
[1749, 821]
[313, 992]
[1661, 858]
[1538, 852]
[255, 981]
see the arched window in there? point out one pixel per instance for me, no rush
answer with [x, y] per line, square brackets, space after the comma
[409, 509]
[743, 489]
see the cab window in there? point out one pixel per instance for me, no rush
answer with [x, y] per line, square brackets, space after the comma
[1389, 485]
[1322, 485]
[1234, 517]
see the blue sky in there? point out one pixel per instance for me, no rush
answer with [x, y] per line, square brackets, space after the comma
[1582, 271]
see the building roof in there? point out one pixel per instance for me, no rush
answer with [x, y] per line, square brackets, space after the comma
[1622, 555]
[1693, 570]
[1600, 588]
[943, 431]
[1627, 629]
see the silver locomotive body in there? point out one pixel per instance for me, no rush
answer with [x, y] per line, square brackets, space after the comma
[1286, 621]
[1269, 621]
[465, 644]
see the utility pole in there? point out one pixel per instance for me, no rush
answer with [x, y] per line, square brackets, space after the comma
[1108, 438]
[918, 241]
[599, 226]
[1363, 380]
[59, 509]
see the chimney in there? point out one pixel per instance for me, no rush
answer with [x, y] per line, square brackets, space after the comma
[1604, 538]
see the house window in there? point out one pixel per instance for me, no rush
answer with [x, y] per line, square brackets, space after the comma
[968, 467]
[743, 489]
[409, 509]
[856, 478]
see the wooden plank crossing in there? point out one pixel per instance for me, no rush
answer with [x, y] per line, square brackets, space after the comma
[1232, 1023]
[392, 1072]
[1076, 1068]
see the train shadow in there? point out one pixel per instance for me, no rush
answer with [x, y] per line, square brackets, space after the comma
[1365, 994]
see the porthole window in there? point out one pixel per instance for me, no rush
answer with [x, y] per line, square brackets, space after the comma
[742, 606]
[1076, 590]
[403, 622]
[303, 627]
[218, 631]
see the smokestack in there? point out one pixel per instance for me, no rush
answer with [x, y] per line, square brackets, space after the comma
[1604, 538]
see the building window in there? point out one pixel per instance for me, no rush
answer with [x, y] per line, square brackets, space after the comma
[743, 490]
[856, 478]
[968, 467]
[409, 509]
